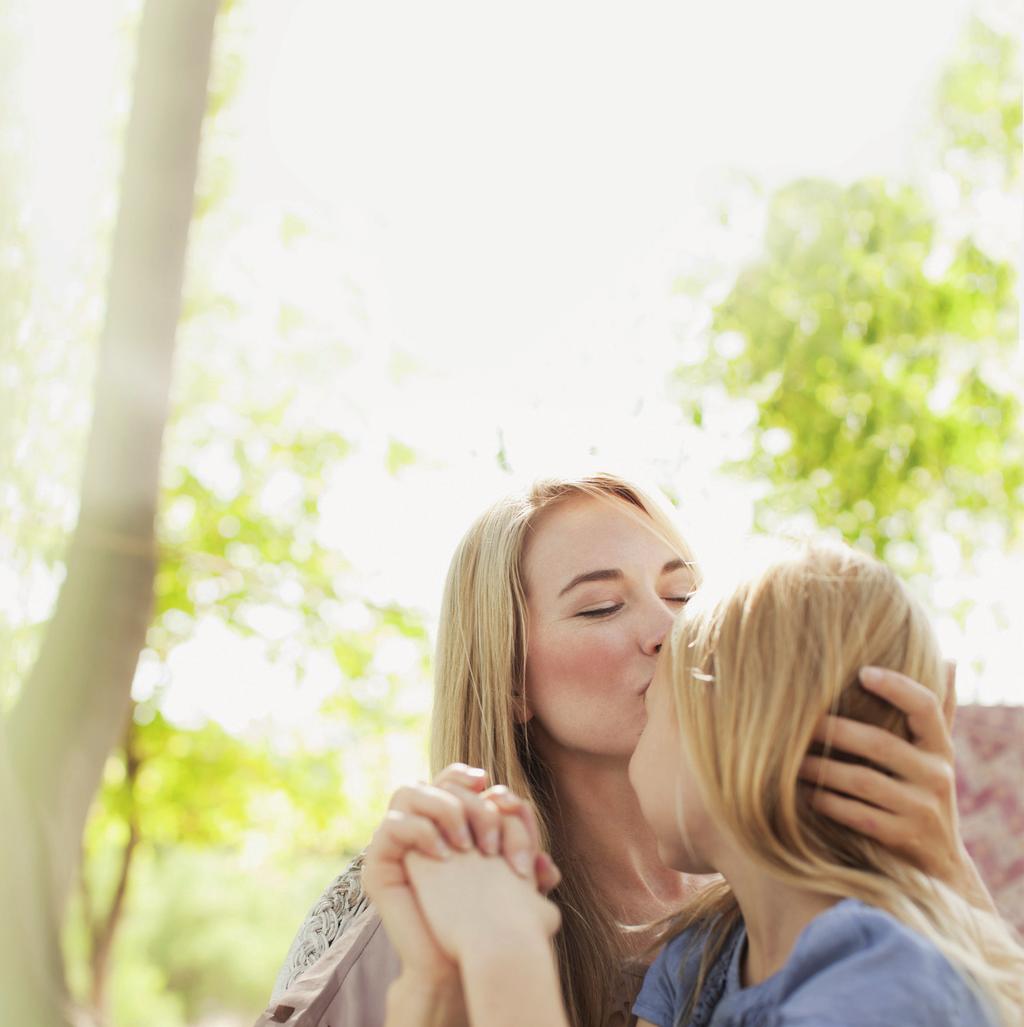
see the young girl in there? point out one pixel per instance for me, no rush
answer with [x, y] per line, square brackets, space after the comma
[812, 923]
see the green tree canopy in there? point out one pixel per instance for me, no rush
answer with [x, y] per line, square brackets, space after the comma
[880, 352]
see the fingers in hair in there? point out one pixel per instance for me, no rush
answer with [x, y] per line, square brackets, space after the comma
[862, 817]
[923, 707]
[868, 742]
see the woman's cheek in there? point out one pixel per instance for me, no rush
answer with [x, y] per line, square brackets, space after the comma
[585, 661]
[581, 691]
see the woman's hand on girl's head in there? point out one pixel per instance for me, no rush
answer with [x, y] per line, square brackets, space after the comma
[912, 808]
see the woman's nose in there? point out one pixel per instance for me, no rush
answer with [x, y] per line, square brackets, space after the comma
[656, 626]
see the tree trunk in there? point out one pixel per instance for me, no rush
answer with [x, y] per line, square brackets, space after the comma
[102, 927]
[72, 709]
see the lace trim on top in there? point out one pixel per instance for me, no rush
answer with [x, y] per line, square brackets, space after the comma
[339, 905]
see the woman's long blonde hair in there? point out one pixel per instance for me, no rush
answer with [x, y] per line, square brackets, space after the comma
[480, 682]
[753, 673]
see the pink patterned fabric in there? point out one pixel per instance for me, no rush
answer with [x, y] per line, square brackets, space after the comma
[990, 793]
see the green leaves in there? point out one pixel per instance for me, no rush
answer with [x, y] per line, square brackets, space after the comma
[878, 344]
[978, 106]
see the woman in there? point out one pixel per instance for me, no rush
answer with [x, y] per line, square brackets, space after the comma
[555, 607]
[811, 923]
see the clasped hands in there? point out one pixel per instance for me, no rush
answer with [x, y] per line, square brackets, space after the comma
[457, 873]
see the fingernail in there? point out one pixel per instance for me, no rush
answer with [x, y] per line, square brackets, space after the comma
[870, 675]
[491, 843]
[546, 865]
[465, 839]
[442, 849]
[523, 864]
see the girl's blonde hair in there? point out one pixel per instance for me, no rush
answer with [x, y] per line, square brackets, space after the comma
[754, 673]
[479, 702]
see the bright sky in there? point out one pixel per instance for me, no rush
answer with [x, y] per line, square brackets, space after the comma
[521, 161]
[516, 187]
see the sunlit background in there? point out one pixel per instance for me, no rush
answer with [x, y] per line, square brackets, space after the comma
[764, 255]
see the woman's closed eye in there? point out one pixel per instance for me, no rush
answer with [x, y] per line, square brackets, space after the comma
[604, 611]
[601, 611]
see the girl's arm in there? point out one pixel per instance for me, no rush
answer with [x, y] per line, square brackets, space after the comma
[511, 979]
[912, 810]
[497, 927]
[422, 1001]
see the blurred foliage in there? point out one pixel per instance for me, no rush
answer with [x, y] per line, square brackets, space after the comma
[876, 344]
[47, 346]
[979, 106]
[246, 469]
[205, 931]
[192, 794]
[879, 348]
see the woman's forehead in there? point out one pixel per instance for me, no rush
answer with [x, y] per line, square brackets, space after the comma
[585, 533]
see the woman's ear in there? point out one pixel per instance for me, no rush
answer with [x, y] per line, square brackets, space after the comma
[521, 712]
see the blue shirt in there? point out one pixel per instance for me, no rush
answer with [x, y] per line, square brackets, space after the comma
[852, 966]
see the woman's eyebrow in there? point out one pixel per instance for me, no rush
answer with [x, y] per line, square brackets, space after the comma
[614, 574]
[675, 565]
[605, 575]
